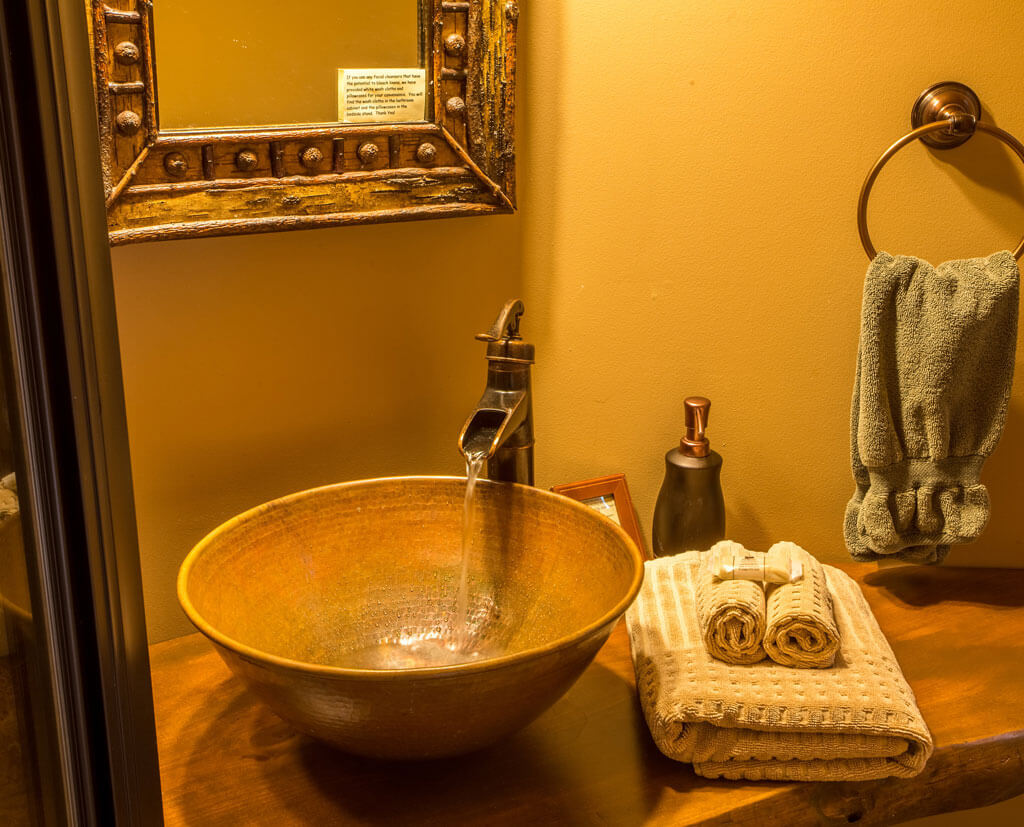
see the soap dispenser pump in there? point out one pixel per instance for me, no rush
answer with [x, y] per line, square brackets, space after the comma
[690, 512]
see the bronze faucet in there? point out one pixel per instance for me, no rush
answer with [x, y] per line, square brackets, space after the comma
[501, 426]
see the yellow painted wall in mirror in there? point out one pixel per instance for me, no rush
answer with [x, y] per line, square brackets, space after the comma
[688, 179]
[245, 63]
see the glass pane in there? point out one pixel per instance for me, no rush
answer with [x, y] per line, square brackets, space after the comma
[605, 504]
[245, 63]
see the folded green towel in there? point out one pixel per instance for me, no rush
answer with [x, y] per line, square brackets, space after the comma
[934, 370]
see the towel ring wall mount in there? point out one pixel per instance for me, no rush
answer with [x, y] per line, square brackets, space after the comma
[944, 116]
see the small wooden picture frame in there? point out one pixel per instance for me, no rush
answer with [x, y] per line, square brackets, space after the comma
[609, 496]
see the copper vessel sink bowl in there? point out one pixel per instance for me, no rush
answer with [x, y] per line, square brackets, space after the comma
[334, 604]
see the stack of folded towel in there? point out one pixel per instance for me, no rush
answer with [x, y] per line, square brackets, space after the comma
[759, 719]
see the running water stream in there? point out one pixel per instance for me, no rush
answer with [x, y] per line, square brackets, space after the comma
[460, 626]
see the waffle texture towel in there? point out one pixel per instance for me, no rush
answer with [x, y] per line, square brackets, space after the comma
[856, 721]
[801, 625]
[934, 369]
[731, 612]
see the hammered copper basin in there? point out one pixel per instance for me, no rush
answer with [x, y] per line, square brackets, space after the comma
[339, 608]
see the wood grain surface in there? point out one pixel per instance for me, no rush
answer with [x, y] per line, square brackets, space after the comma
[958, 635]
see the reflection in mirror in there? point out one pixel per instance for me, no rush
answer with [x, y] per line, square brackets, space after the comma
[248, 63]
[20, 797]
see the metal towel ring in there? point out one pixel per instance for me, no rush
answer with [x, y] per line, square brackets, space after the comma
[944, 116]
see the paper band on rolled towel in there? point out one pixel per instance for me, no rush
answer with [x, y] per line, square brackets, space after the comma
[731, 561]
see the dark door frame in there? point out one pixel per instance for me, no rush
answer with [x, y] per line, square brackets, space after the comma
[60, 337]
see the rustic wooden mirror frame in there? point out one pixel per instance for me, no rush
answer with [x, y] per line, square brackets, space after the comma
[198, 182]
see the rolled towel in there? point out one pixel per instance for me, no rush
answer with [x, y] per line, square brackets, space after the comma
[731, 612]
[855, 722]
[801, 623]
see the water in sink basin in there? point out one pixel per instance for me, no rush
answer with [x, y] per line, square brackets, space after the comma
[416, 654]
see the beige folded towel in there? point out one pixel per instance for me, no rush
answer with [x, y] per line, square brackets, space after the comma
[801, 625]
[731, 613]
[855, 721]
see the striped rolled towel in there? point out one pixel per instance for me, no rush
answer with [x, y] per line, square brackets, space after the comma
[731, 612]
[801, 624]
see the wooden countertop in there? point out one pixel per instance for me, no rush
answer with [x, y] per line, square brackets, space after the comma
[958, 635]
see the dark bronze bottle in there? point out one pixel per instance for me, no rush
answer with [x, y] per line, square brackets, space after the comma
[690, 513]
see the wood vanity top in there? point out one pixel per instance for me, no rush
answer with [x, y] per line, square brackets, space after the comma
[958, 635]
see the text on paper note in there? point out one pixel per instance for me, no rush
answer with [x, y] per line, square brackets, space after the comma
[381, 95]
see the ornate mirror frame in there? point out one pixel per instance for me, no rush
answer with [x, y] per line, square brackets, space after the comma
[199, 182]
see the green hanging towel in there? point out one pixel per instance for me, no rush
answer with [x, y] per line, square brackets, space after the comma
[934, 370]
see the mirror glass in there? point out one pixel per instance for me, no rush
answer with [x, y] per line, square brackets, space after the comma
[250, 63]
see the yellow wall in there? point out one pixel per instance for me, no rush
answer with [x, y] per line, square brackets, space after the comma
[688, 177]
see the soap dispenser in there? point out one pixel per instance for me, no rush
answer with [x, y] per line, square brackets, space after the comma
[690, 512]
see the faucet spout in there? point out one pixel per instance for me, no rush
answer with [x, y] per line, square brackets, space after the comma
[498, 417]
[500, 427]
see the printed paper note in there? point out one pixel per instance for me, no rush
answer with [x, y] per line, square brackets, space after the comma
[381, 95]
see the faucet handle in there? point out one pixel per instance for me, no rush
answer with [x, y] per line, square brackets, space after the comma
[506, 326]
